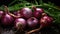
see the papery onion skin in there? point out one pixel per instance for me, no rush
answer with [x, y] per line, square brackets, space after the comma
[46, 20]
[20, 21]
[26, 12]
[32, 22]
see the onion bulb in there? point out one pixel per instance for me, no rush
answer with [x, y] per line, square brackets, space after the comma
[6, 18]
[32, 22]
[26, 12]
[20, 22]
[37, 12]
[46, 20]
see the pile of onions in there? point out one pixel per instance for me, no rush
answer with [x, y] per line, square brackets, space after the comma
[24, 17]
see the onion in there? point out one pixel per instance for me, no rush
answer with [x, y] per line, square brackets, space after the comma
[45, 20]
[32, 22]
[1, 13]
[37, 12]
[6, 18]
[26, 12]
[20, 22]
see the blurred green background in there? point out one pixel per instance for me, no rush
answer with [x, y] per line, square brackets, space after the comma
[7, 2]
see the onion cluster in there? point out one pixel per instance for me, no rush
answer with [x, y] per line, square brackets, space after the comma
[24, 17]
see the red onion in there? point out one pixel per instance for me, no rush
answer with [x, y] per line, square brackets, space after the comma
[32, 22]
[37, 12]
[26, 12]
[45, 20]
[6, 18]
[20, 22]
[1, 13]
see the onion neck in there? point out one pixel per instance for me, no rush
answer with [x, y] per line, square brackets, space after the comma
[6, 9]
[34, 8]
[20, 27]
[7, 12]
[44, 14]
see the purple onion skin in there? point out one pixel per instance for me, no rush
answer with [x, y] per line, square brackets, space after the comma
[37, 12]
[46, 20]
[6, 19]
[1, 13]
[26, 12]
[32, 22]
[20, 21]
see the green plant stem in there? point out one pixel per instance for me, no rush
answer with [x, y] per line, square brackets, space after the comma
[12, 2]
[36, 2]
[51, 6]
[45, 5]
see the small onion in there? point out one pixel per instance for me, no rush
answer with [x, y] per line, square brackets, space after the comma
[26, 12]
[32, 22]
[37, 12]
[46, 20]
[20, 22]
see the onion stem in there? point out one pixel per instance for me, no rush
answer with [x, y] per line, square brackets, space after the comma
[14, 15]
[35, 30]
